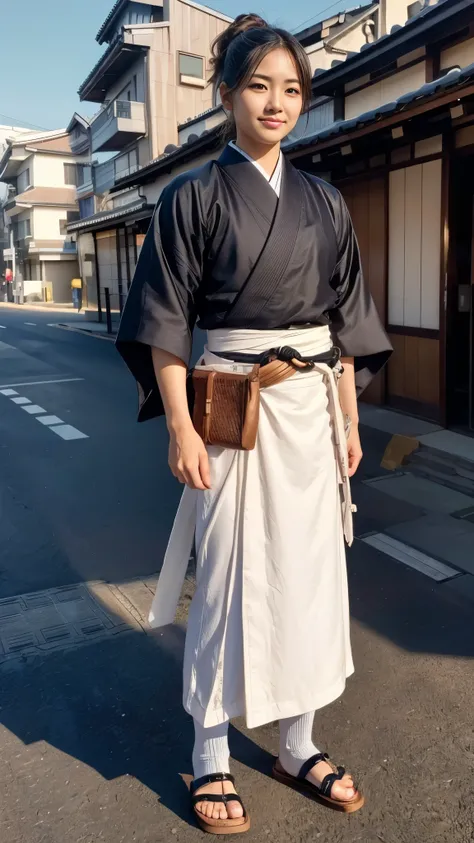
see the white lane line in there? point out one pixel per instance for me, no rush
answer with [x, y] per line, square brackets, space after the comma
[40, 383]
[4, 327]
[68, 432]
[8, 392]
[33, 409]
[432, 568]
[5, 347]
[21, 400]
[30, 323]
[49, 420]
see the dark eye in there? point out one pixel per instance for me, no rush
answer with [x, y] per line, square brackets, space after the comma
[293, 91]
[257, 86]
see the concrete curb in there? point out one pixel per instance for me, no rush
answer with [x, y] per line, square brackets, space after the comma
[87, 332]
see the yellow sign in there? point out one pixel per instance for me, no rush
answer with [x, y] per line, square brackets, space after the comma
[76, 283]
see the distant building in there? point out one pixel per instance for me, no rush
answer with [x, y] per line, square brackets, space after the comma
[42, 172]
[151, 78]
[5, 132]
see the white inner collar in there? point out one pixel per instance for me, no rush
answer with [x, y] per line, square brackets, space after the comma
[274, 180]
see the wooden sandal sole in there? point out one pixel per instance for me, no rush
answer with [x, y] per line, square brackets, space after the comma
[229, 826]
[310, 790]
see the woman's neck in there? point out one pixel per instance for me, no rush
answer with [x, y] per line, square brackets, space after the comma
[267, 156]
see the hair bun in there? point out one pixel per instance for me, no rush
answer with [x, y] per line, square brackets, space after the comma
[221, 44]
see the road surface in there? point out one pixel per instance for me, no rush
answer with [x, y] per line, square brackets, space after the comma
[93, 739]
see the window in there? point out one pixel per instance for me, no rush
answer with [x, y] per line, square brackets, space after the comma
[21, 229]
[23, 181]
[70, 174]
[126, 164]
[73, 216]
[191, 66]
[83, 174]
[86, 207]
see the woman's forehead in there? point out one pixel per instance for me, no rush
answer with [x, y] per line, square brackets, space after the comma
[278, 62]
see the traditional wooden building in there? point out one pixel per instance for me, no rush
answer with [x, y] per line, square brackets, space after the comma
[403, 157]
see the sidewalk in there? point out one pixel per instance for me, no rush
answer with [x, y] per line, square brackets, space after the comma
[49, 307]
[422, 511]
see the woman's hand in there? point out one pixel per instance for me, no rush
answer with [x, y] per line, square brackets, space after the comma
[354, 450]
[188, 458]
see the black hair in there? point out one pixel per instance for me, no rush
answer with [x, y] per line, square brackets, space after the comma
[239, 49]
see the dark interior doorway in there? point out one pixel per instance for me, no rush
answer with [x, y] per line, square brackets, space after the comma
[460, 327]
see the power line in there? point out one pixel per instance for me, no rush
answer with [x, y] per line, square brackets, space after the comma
[14, 122]
[317, 15]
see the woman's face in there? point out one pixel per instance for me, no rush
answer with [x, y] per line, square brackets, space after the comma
[267, 109]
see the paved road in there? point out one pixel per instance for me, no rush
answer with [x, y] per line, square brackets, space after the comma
[81, 509]
[93, 738]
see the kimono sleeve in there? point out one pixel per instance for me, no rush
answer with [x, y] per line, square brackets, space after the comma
[355, 323]
[161, 307]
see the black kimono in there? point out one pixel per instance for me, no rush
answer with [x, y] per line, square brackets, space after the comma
[269, 533]
[208, 231]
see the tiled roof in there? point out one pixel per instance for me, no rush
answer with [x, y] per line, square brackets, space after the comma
[109, 17]
[452, 79]
[63, 196]
[53, 145]
[113, 214]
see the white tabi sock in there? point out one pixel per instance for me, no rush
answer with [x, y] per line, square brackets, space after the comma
[211, 750]
[296, 744]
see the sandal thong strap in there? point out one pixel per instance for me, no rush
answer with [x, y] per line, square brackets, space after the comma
[217, 797]
[326, 785]
[210, 779]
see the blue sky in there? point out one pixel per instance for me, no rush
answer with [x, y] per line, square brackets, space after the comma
[47, 52]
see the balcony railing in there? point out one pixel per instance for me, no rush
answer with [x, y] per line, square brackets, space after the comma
[116, 125]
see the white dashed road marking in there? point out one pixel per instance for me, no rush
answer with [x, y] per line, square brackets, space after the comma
[54, 423]
[40, 383]
[67, 431]
[30, 323]
[50, 420]
[4, 327]
[33, 409]
[21, 400]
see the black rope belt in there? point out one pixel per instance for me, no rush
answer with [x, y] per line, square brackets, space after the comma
[286, 353]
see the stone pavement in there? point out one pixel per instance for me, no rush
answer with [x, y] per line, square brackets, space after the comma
[424, 509]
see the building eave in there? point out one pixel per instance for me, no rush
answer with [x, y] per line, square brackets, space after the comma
[306, 36]
[110, 67]
[103, 219]
[431, 24]
[80, 120]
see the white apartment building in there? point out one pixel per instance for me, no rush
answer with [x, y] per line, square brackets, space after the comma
[151, 78]
[42, 172]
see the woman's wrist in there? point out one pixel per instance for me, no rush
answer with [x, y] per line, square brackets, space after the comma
[177, 425]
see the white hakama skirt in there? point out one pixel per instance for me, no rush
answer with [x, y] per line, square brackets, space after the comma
[268, 630]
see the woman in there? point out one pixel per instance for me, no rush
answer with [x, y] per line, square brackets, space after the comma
[268, 632]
